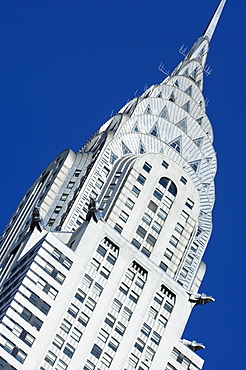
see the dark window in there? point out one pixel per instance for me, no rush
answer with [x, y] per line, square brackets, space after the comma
[141, 231]
[111, 259]
[151, 240]
[158, 194]
[147, 167]
[172, 189]
[141, 179]
[183, 180]
[165, 164]
[164, 181]
[163, 266]
[96, 351]
[102, 251]
[145, 251]
[110, 320]
[118, 228]
[152, 206]
[136, 243]
[135, 191]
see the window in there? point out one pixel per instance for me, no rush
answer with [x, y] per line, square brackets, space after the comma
[189, 203]
[50, 358]
[80, 295]
[118, 228]
[120, 328]
[105, 171]
[76, 173]
[106, 360]
[96, 351]
[66, 326]
[158, 194]
[97, 289]
[172, 189]
[87, 280]
[105, 272]
[58, 341]
[183, 180]
[156, 338]
[141, 231]
[133, 297]
[36, 322]
[158, 298]
[102, 251]
[129, 203]
[67, 263]
[168, 254]
[50, 222]
[164, 182]
[162, 321]
[168, 306]
[167, 202]
[76, 334]
[162, 214]
[103, 335]
[139, 345]
[156, 227]
[83, 319]
[57, 209]
[90, 303]
[189, 260]
[147, 167]
[123, 216]
[173, 241]
[99, 183]
[184, 216]
[110, 320]
[111, 259]
[146, 218]
[69, 350]
[136, 243]
[112, 186]
[184, 273]
[139, 282]
[146, 329]
[152, 206]
[179, 228]
[129, 274]
[141, 179]
[89, 365]
[113, 344]
[151, 240]
[153, 312]
[133, 360]
[149, 353]
[165, 164]
[116, 305]
[28, 339]
[52, 293]
[163, 266]
[70, 184]
[94, 264]
[124, 288]
[146, 252]
[61, 365]
[135, 191]
[126, 313]
[73, 310]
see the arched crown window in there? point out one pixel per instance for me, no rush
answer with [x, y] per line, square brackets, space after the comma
[164, 181]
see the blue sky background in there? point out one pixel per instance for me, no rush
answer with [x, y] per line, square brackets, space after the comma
[66, 65]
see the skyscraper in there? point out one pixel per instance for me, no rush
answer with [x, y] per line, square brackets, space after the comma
[112, 285]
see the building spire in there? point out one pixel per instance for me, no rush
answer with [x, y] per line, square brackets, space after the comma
[209, 31]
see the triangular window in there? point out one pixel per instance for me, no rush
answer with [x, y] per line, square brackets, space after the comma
[162, 150]
[148, 110]
[201, 54]
[141, 148]
[182, 124]
[194, 74]
[195, 165]
[186, 72]
[198, 142]
[199, 120]
[209, 160]
[198, 83]
[154, 130]
[125, 149]
[172, 98]
[176, 83]
[206, 185]
[176, 144]
[159, 95]
[188, 91]
[164, 113]
[113, 158]
[186, 107]
[135, 128]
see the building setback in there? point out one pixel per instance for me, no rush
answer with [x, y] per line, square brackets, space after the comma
[112, 285]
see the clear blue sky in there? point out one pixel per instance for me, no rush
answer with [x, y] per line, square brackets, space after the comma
[65, 65]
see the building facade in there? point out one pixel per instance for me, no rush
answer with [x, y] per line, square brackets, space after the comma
[113, 286]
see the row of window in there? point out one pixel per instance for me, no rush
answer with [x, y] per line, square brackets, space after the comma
[13, 350]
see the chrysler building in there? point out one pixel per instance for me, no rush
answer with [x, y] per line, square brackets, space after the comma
[101, 262]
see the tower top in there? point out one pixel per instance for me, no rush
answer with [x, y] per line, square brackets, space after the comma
[209, 31]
